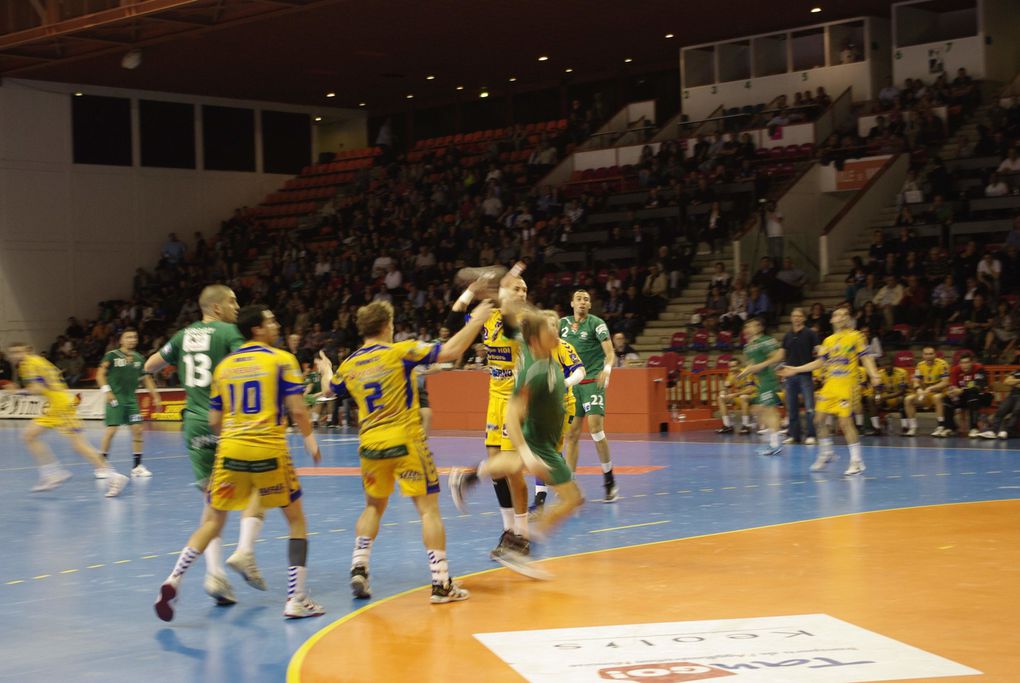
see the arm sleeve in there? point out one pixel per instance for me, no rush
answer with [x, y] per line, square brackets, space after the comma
[337, 386]
[236, 340]
[602, 331]
[419, 353]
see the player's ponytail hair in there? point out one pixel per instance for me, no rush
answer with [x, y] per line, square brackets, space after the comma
[373, 318]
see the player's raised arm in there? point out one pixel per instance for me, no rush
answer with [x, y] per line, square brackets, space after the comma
[153, 363]
[456, 345]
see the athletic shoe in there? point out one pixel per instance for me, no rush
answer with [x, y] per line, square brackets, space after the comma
[724, 430]
[856, 467]
[521, 545]
[460, 482]
[505, 542]
[140, 471]
[769, 451]
[1003, 434]
[167, 600]
[451, 592]
[115, 484]
[244, 564]
[911, 432]
[359, 583]
[821, 461]
[810, 441]
[789, 440]
[103, 472]
[300, 608]
[522, 564]
[973, 433]
[219, 589]
[762, 430]
[612, 493]
[50, 481]
[870, 431]
[987, 434]
[940, 432]
[744, 430]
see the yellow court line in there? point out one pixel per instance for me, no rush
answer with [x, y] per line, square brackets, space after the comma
[122, 561]
[629, 526]
[69, 571]
[41, 576]
[15, 581]
[149, 557]
[297, 660]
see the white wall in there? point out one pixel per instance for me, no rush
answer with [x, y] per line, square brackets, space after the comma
[912, 61]
[72, 235]
[1001, 20]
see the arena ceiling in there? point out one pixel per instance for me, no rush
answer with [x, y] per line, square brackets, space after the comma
[379, 51]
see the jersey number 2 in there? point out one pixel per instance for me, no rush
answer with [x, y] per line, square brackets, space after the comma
[370, 399]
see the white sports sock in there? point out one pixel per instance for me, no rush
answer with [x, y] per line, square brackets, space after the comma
[521, 525]
[773, 437]
[541, 488]
[184, 560]
[607, 467]
[876, 422]
[859, 420]
[727, 421]
[904, 423]
[296, 581]
[251, 527]
[362, 551]
[214, 557]
[825, 445]
[438, 566]
[913, 422]
[508, 518]
[745, 420]
[855, 450]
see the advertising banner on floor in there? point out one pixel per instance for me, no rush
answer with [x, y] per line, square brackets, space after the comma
[806, 648]
[91, 405]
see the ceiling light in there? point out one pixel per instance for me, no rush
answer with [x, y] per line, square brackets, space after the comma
[816, 10]
[513, 79]
[410, 97]
[460, 87]
[483, 94]
[669, 35]
[318, 118]
[568, 70]
[543, 58]
[430, 77]
[132, 59]
[331, 94]
[79, 94]
[361, 104]
[628, 60]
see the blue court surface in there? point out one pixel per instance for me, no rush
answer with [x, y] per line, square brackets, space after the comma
[79, 572]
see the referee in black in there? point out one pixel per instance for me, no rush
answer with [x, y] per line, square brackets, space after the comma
[799, 345]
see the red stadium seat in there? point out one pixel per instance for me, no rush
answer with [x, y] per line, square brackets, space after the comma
[956, 333]
[700, 340]
[723, 361]
[678, 341]
[655, 362]
[700, 363]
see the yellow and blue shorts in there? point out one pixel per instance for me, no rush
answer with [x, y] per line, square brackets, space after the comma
[495, 425]
[838, 400]
[409, 464]
[242, 469]
[61, 415]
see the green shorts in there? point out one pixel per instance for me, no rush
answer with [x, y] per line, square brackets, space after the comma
[591, 399]
[310, 400]
[559, 472]
[124, 413]
[201, 443]
[767, 395]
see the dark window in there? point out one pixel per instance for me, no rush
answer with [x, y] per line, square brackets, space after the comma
[167, 134]
[286, 142]
[101, 128]
[228, 138]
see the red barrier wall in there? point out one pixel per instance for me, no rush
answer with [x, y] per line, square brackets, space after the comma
[636, 400]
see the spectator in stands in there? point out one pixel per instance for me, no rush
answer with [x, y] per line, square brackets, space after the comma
[989, 273]
[818, 320]
[672, 267]
[978, 321]
[996, 187]
[655, 291]
[633, 316]
[714, 230]
[1011, 164]
[720, 278]
[1013, 238]
[964, 91]
[856, 278]
[822, 98]
[967, 392]
[759, 305]
[736, 311]
[716, 302]
[765, 276]
[1000, 341]
[877, 248]
[939, 179]
[937, 265]
[888, 298]
[888, 95]
[774, 231]
[1008, 412]
[868, 316]
[866, 293]
[174, 251]
[625, 354]
[72, 365]
[790, 282]
[915, 306]
[799, 346]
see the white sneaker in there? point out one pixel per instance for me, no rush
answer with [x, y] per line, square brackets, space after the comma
[1003, 434]
[103, 473]
[244, 564]
[219, 589]
[911, 432]
[115, 484]
[810, 441]
[821, 461]
[789, 440]
[451, 592]
[167, 600]
[942, 433]
[300, 608]
[856, 467]
[50, 481]
[973, 434]
[987, 434]
[522, 564]
[937, 433]
[140, 471]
